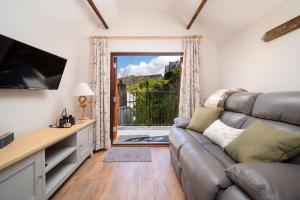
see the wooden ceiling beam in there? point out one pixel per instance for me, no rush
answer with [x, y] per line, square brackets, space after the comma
[95, 9]
[203, 2]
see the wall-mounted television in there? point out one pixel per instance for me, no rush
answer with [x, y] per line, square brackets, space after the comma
[25, 67]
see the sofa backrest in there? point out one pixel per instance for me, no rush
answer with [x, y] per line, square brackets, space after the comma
[279, 109]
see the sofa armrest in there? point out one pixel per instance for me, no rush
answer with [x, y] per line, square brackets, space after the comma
[181, 122]
[266, 181]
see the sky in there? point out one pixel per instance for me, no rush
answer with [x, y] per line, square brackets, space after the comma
[143, 65]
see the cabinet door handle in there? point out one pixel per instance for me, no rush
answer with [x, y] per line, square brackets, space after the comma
[38, 178]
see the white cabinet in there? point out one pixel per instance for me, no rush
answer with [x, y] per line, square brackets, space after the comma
[23, 180]
[84, 143]
[39, 175]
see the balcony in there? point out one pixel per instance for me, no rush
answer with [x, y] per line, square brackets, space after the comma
[146, 116]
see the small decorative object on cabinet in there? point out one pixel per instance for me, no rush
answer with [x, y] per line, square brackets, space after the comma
[82, 90]
[63, 121]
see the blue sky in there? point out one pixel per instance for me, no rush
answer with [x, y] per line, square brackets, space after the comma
[143, 65]
[124, 61]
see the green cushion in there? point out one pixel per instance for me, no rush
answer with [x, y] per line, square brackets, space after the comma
[261, 142]
[202, 118]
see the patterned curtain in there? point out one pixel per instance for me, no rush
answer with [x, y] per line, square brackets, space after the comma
[191, 85]
[100, 84]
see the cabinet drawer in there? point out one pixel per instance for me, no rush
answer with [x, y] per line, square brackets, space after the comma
[83, 143]
[83, 138]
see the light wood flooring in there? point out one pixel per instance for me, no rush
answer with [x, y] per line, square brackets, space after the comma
[99, 180]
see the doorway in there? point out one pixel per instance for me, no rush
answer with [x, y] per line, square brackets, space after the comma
[144, 96]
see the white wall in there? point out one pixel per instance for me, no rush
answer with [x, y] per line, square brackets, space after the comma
[63, 28]
[248, 62]
[155, 24]
[24, 111]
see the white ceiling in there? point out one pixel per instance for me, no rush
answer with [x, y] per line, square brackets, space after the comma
[223, 18]
[220, 18]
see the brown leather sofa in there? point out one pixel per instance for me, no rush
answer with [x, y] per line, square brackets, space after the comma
[200, 165]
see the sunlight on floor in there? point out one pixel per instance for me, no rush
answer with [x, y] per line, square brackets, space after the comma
[151, 131]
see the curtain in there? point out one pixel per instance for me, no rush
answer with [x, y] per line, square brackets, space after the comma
[191, 85]
[100, 103]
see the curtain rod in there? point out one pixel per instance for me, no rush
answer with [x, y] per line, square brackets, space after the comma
[147, 37]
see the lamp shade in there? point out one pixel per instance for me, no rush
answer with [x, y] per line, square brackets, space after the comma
[83, 89]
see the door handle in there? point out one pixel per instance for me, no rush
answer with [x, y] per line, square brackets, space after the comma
[38, 178]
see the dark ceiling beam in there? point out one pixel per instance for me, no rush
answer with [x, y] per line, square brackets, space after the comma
[97, 13]
[283, 29]
[203, 2]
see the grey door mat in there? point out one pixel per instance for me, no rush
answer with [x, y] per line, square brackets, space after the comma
[142, 139]
[128, 154]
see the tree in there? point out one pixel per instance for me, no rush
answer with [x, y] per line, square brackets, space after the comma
[156, 100]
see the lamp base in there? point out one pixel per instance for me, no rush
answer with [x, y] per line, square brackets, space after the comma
[82, 105]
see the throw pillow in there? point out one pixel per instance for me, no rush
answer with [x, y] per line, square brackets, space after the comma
[221, 134]
[202, 118]
[261, 142]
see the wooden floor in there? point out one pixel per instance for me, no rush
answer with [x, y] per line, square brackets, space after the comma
[95, 179]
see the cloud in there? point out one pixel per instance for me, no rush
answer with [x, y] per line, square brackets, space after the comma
[154, 66]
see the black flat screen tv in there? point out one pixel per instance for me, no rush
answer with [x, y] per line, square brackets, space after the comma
[25, 67]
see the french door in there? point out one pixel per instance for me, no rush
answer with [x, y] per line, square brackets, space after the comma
[115, 99]
[115, 96]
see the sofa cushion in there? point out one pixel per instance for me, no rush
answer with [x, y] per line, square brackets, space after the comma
[278, 106]
[201, 139]
[205, 173]
[261, 142]
[219, 154]
[278, 125]
[267, 181]
[203, 118]
[241, 102]
[179, 137]
[235, 120]
[221, 134]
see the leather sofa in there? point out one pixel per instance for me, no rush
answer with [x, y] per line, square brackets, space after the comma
[200, 165]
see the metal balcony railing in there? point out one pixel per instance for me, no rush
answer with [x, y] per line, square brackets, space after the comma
[148, 108]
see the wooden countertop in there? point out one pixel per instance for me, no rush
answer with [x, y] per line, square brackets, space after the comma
[33, 142]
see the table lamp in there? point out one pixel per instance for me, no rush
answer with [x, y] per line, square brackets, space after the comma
[82, 90]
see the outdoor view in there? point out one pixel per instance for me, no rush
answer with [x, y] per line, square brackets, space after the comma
[148, 89]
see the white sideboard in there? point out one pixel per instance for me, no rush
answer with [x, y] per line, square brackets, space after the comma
[34, 166]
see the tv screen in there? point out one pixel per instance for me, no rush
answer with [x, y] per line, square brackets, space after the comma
[25, 67]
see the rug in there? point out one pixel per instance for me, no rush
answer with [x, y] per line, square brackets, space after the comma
[128, 154]
[142, 139]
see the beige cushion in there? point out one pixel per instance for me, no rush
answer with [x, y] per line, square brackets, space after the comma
[202, 118]
[261, 142]
[221, 134]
